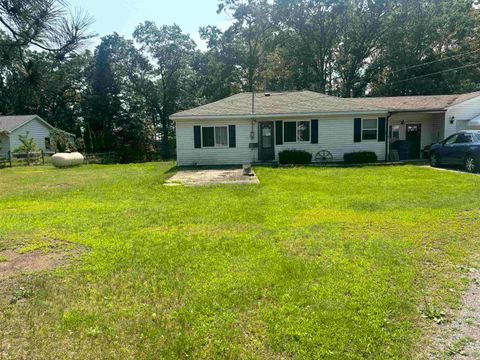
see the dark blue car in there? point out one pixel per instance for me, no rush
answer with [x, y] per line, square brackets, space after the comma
[461, 149]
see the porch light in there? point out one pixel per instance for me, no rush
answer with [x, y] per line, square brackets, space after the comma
[452, 120]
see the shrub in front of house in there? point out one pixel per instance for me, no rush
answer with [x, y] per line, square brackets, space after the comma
[294, 157]
[361, 157]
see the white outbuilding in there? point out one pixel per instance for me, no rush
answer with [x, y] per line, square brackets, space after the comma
[11, 127]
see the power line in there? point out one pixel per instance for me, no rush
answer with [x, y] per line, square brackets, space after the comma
[435, 61]
[436, 73]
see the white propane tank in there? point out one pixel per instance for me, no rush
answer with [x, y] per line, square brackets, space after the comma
[62, 160]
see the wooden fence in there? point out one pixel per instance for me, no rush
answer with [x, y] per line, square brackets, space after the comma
[22, 159]
[102, 158]
[39, 158]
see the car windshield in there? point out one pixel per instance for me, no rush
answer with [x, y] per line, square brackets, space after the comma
[477, 137]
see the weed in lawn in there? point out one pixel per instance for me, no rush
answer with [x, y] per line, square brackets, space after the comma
[20, 293]
[432, 313]
[457, 347]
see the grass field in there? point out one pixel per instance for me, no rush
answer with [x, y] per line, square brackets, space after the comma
[312, 263]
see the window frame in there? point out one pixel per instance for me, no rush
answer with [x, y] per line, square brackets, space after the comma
[309, 122]
[395, 130]
[368, 129]
[215, 145]
[48, 143]
[297, 131]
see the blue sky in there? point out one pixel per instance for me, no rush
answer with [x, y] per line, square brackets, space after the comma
[123, 16]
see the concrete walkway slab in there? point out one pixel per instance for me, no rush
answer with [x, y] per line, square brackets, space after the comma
[453, 170]
[212, 177]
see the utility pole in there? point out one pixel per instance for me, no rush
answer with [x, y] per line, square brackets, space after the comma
[253, 100]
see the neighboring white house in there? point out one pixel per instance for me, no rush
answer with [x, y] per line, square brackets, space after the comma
[239, 130]
[13, 126]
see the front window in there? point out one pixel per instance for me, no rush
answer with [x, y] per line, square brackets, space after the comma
[221, 136]
[369, 129]
[48, 144]
[395, 132]
[304, 131]
[214, 136]
[296, 131]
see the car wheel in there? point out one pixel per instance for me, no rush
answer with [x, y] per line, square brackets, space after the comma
[471, 164]
[434, 160]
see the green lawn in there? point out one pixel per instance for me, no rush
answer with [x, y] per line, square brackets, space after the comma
[312, 263]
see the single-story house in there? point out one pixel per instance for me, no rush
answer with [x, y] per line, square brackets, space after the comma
[424, 120]
[13, 126]
[246, 128]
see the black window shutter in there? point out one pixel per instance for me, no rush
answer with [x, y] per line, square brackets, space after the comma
[314, 124]
[232, 136]
[197, 139]
[279, 132]
[357, 130]
[382, 124]
[208, 136]
[290, 131]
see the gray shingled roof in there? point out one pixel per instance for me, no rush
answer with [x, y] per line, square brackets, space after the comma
[300, 102]
[417, 103]
[9, 123]
[308, 102]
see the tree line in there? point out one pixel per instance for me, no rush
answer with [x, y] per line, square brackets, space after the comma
[120, 95]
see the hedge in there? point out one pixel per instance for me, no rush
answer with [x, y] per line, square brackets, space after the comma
[361, 157]
[294, 157]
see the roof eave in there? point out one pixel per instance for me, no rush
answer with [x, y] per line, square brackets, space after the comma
[417, 110]
[282, 115]
[27, 121]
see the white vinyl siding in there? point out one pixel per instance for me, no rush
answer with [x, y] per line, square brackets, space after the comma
[36, 129]
[463, 111]
[188, 155]
[335, 134]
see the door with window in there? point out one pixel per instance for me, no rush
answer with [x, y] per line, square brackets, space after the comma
[414, 138]
[266, 148]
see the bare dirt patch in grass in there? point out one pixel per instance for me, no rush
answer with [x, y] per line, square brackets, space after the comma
[460, 337]
[14, 263]
[212, 177]
[36, 258]
[464, 338]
